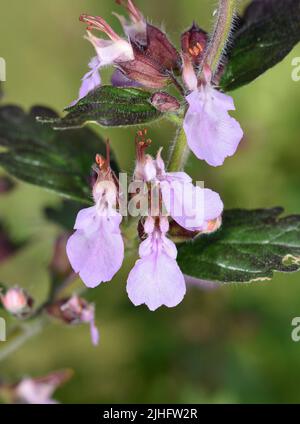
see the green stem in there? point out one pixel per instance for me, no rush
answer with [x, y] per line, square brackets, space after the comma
[221, 34]
[179, 153]
[35, 324]
[21, 336]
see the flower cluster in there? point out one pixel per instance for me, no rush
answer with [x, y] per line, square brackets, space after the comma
[96, 249]
[145, 58]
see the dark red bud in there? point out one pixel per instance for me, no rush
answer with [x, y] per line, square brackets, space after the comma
[144, 71]
[164, 102]
[194, 42]
[161, 50]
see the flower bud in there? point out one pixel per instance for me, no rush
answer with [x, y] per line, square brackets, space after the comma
[17, 302]
[164, 102]
[74, 311]
[144, 71]
[161, 50]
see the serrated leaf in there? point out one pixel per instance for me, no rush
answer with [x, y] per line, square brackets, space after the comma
[269, 31]
[110, 107]
[37, 154]
[250, 246]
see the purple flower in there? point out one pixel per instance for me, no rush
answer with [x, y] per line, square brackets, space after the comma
[212, 134]
[156, 279]
[30, 392]
[91, 80]
[192, 207]
[39, 391]
[77, 311]
[96, 249]
[108, 52]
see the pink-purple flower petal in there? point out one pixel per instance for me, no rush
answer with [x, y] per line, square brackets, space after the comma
[156, 280]
[212, 134]
[96, 249]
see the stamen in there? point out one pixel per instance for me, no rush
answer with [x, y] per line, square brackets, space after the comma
[104, 163]
[96, 22]
[142, 143]
[133, 11]
[196, 50]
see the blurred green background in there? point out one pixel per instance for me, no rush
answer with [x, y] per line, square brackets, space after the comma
[229, 345]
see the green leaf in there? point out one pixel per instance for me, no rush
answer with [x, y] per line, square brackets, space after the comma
[64, 214]
[250, 246]
[269, 31]
[35, 153]
[110, 107]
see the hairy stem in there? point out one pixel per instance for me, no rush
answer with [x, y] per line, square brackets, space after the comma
[179, 153]
[225, 18]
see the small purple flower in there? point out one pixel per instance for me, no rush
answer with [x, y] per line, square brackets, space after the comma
[77, 311]
[156, 279]
[108, 52]
[96, 249]
[91, 80]
[192, 207]
[212, 134]
[39, 391]
[30, 392]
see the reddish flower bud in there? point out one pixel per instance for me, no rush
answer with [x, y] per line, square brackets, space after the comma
[164, 102]
[145, 71]
[160, 49]
[74, 311]
[152, 62]
[193, 42]
[17, 302]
